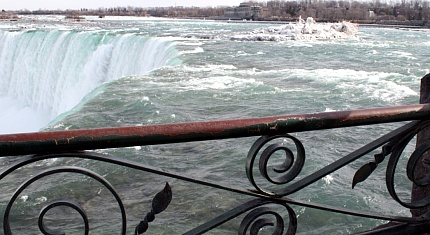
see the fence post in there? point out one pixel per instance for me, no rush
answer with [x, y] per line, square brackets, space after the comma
[423, 167]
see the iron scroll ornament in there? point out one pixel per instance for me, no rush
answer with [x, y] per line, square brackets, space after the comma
[417, 155]
[46, 231]
[55, 170]
[159, 202]
[292, 165]
[288, 170]
[255, 219]
[395, 148]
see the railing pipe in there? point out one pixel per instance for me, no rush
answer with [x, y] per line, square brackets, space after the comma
[87, 139]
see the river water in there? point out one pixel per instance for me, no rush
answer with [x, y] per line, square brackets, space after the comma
[62, 75]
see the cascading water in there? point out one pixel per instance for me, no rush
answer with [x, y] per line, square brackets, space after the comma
[46, 73]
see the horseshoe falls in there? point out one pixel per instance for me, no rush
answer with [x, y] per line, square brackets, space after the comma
[44, 73]
[124, 71]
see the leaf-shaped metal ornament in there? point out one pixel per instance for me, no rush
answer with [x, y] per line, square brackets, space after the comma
[162, 199]
[363, 173]
[160, 202]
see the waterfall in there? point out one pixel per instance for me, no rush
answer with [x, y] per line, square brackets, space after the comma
[46, 73]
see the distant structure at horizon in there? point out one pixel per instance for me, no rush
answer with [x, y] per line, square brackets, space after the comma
[243, 11]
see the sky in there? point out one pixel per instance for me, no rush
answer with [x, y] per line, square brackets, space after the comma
[95, 4]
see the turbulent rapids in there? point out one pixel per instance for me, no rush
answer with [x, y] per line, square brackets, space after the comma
[302, 30]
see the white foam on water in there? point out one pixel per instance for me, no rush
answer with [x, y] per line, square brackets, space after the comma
[328, 179]
[402, 54]
[196, 50]
[218, 83]
[377, 85]
[190, 43]
[329, 110]
[209, 68]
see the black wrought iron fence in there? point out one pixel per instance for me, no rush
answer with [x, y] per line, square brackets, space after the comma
[275, 183]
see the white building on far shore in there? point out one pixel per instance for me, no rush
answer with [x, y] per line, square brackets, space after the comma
[243, 11]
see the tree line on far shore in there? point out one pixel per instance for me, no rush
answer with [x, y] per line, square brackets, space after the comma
[417, 11]
[375, 10]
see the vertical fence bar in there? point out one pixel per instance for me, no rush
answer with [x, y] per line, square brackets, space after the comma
[423, 166]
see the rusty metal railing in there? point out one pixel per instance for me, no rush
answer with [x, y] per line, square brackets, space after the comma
[72, 140]
[34, 147]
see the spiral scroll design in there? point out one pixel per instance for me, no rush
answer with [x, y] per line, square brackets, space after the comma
[55, 170]
[286, 171]
[257, 219]
[416, 156]
[46, 231]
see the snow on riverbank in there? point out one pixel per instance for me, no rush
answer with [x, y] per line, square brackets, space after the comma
[302, 30]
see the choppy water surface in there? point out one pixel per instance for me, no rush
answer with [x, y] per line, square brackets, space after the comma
[138, 71]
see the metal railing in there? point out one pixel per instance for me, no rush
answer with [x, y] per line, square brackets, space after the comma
[24, 149]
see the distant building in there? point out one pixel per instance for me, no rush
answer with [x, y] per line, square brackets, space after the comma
[371, 13]
[243, 11]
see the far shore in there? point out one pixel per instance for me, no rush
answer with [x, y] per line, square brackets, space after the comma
[368, 25]
[391, 24]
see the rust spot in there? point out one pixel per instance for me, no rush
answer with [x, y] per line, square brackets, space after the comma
[275, 127]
